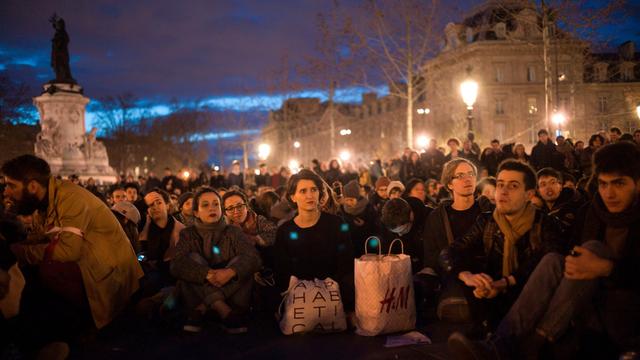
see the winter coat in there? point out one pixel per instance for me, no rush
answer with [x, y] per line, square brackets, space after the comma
[546, 155]
[92, 237]
[437, 237]
[232, 244]
[472, 253]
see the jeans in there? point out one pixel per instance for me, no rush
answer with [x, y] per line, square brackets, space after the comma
[549, 302]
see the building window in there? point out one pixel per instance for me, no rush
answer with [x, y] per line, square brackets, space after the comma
[627, 72]
[499, 107]
[531, 74]
[499, 74]
[532, 105]
[603, 103]
[601, 71]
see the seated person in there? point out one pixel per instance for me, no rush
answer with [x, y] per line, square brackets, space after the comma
[87, 266]
[128, 216]
[597, 282]
[495, 258]
[360, 215]
[259, 231]
[400, 222]
[313, 244]
[214, 265]
[395, 189]
[157, 243]
[185, 209]
[559, 201]
[449, 221]
[380, 196]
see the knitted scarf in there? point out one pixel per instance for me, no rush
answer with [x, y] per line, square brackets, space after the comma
[210, 234]
[513, 230]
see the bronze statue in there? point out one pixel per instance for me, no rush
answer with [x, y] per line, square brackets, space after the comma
[60, 52]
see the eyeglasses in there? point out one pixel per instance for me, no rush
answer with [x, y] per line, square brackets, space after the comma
[234, 208]
[462, 176]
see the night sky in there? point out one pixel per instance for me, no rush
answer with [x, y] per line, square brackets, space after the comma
[225, 51]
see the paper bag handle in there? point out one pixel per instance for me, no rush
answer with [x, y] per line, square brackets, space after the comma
[366, 247]
[391, 246]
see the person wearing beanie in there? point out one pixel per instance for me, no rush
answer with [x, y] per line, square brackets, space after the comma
[379, 196]
[395, 189]
[359, 215]
[185, 209]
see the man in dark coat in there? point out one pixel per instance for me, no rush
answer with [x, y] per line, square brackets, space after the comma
[544, 153]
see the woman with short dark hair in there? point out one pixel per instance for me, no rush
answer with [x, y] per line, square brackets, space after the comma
[314, 244]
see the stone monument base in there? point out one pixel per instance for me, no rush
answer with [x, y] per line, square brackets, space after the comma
[63, 141]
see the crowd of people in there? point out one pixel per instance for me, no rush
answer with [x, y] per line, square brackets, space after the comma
[539, 251]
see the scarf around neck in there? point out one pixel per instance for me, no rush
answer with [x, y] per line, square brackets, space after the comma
[618, 220]
[512, 232]
[210, 234]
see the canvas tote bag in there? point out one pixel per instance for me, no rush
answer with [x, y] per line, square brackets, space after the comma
[385, 300]
[312, 306]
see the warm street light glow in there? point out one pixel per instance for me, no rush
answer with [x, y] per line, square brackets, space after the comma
[424, 111]
[263, 151]
[216, 168]
[294, 166]
[296, 144]
[345, 155]
[256, 171]
[638, 110]
[185, 174]
[422, 141]
[558, 118]
[344, 132]
[469, 92]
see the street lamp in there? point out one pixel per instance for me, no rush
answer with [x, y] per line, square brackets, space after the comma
[425, 111]
[345, 132]
[422, 141]
[263, 151]
[294, 166]
[469, 92]
[296, 144]
[558, 118]
[345, 155]
[638, 110]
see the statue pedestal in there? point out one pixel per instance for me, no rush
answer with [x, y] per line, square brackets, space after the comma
[63, 141]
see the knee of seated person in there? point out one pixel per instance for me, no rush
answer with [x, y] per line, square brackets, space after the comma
[552, 260]
[597, 247]
[198, 258]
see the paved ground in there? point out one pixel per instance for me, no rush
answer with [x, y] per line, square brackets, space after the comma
[129, 338]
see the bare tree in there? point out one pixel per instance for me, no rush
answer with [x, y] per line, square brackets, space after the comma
[389, 43]
[14, 101]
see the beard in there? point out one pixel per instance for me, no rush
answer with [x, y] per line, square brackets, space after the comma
[27, 205]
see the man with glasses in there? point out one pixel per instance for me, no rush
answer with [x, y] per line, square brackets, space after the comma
[560, 202]
[449, 221]
[496, 256]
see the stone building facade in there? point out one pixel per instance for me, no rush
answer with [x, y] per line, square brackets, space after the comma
[500, 46]
[372, 129]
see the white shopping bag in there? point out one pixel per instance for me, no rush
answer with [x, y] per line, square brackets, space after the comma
[384, 292]
[312, 306]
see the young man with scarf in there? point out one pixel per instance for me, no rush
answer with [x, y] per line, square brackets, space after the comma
[596, 287]
[157, 242]
[495, 258]
[214, 264]
[360, 216]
